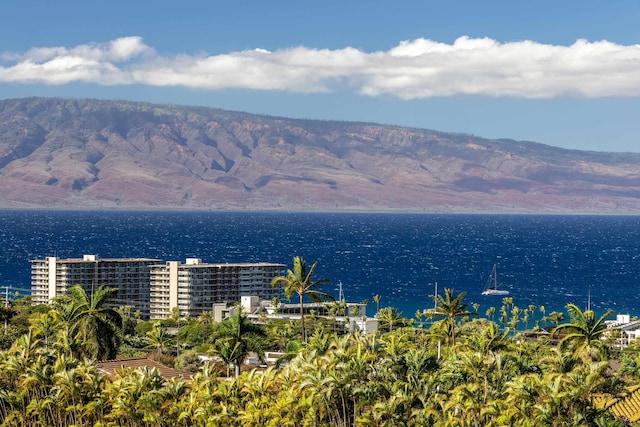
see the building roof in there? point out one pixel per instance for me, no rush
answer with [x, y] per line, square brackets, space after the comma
[626, 407]
[223, 265]
[97, 260]
[630, 326]
[109, 367]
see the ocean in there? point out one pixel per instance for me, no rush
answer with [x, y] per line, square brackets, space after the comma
[548, 260]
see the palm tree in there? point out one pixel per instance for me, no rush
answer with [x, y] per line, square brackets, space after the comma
[6, 313]
[491, 312]
[44, 325]
[508, 301]
[275, 303]
[515, 318]
[376, 299]
[584, 331]
[158, 338]
[490, 340]
[389, 317]
[543, 312]
[419, 316]
[229, 351]
[96, 325]
[300, 281]
[556, 317]
[451, 307]
[237, 337]
[337, 309]
[206, 317]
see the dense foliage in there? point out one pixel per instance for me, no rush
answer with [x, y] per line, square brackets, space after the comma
[451, 370]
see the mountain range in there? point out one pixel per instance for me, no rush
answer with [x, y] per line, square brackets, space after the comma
[102, 154]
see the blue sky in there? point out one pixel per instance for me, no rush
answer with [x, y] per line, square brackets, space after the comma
[563, 73]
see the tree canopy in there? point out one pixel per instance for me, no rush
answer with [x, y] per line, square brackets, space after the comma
[393, 377]
[300, 281]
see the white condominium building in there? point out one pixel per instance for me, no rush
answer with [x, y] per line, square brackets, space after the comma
[52, 276]
[153, 288]
[194, 287]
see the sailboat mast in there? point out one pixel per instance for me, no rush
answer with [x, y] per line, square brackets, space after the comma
[495, 276]
[435, 301]
[491, 285]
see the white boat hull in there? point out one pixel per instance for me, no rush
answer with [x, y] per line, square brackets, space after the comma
[495, 292]
[492, 284]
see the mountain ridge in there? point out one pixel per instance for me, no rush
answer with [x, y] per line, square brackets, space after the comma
[100, 154]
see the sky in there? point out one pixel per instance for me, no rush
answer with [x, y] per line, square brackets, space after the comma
[563, 73]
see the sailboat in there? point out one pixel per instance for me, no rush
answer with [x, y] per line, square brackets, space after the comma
[491, 288]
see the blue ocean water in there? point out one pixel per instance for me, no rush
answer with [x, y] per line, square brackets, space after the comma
[542, 260]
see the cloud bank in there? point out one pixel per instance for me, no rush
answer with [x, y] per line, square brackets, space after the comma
[414, 69]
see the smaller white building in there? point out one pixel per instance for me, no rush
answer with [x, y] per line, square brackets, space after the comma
[629, 329]
[352, 315]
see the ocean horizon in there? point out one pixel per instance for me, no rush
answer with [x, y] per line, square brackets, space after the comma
[548, 260]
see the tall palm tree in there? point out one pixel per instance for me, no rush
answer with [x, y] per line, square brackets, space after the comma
[451, 307]
[491, 312]
[515, 318]
[584, 331]
[93, 322]
[376, 299]
[300, 281]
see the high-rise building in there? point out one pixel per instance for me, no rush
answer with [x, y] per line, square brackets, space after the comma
[152, 288]
[194, 287]
[52, 276]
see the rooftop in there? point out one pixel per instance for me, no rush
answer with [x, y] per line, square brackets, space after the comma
[109, 367]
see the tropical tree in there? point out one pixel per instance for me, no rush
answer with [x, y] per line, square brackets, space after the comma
[584, 332]
[543, 313]
[6, 313]
[515, 318]
[89, 319]
[419, 315]
[507, 301]
[300, 281]
[206, 317]
[279, 333]
[44, 325]
[389, 317]
[490, 339]
[236, 337]
[376, 299]
[158, 338]
[451, 307]
[556, 317]
[275, 303]
[230, 352]
[631, 365]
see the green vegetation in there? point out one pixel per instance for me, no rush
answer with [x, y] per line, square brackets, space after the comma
[488, 373]
[236, 338]
[300, 281]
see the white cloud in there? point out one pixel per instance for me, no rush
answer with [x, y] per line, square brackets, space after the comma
[414, 69]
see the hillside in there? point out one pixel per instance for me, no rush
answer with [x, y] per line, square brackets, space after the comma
[89, 154]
